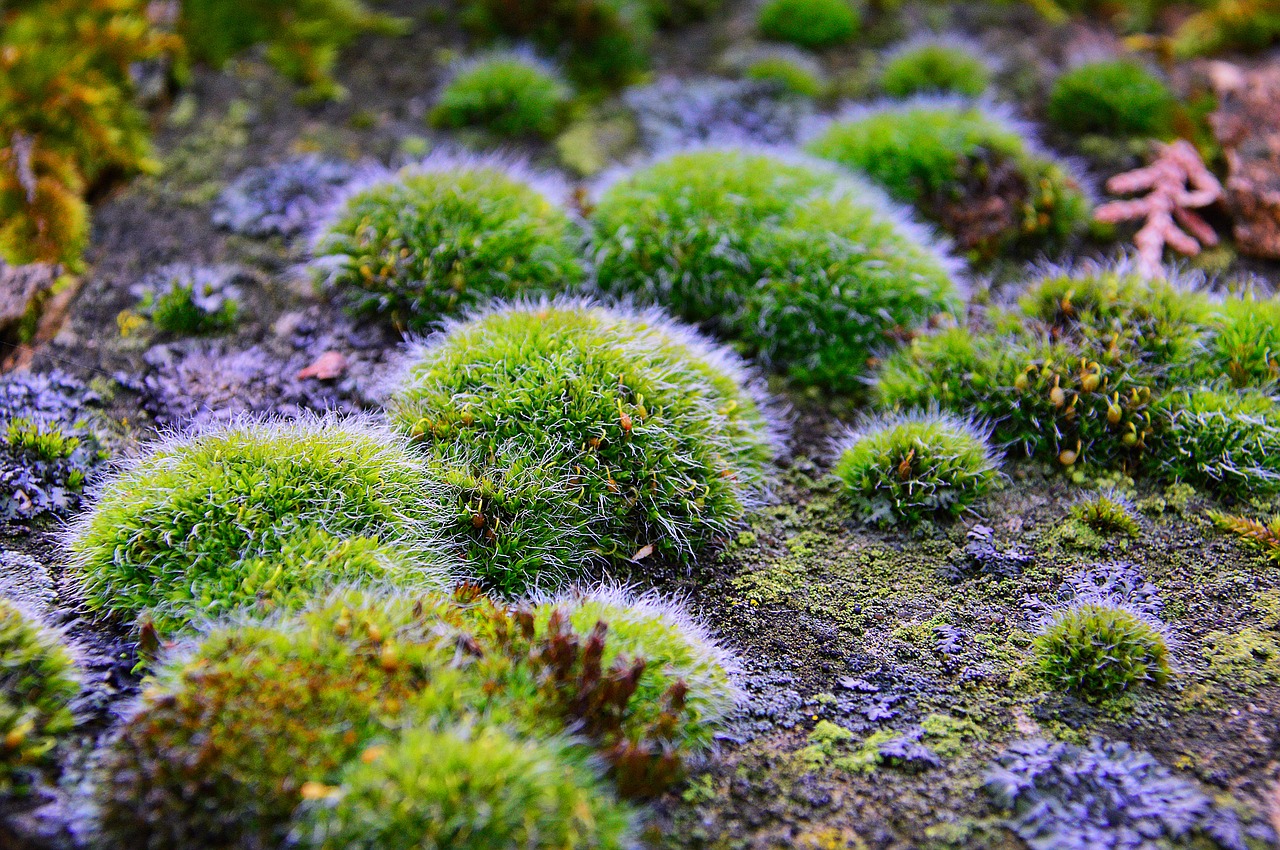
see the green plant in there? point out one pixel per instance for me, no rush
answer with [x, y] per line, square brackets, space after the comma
[1228, 25]
[1072, 376]
[1263, 536]
[971, 169]
[937, 66]
[303, 37]
[647, 437]
[1099, 651]
[809, 23]
[467, 789]
[795, 73]
[1225, 440]
[811, 270]
[1244, 344]
[37, 684]
[446, 235]
[226, 742]
[1115, 97]
[913, 467]
[603, 42]
[68, 121]
[191, 299]
[248, 515]
[1107, 513]
[511, 94]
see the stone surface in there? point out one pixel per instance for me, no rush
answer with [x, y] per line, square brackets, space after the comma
[20, 289]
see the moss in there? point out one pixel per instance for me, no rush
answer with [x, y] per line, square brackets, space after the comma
[1107, 514]
[908, 468]
[1098, 652]
[788, 74]
[1248, 658]
[443, 236]
[647, 439]
[801, 265]
[247, 516]
[813, 24]
[1115, 97]
[469, 790]
[951, 737]
[946, 158]
[937, 67]
[1226, 441]
[509, 94]
[1244, 344]
[37, 685]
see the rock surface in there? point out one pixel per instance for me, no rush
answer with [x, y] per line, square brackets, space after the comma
[1247, 125]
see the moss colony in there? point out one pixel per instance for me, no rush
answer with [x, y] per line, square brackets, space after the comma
[639, 425]
[332, 708]
[810, 269]
[619, 433]
[968, 168]
[445, 235]
[255, 514]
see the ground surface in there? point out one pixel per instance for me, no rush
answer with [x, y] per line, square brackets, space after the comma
[872, 631]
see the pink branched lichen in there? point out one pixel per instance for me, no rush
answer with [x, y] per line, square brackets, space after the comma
[1176, 184]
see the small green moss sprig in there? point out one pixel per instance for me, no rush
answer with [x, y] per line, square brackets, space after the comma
[513, 94]
[1228, 441]
[445, 235]
[812, 271]
[793, 73]
[949, 158]
[1245, 342]
[254, 515]
[467, 789]
[936, 65]
[907, 468]
[187, 300]
[1099, 651]
[1107, 513]
[642, 435]
[814, 24]
[37, 685]
[1115, 97]
[1263, 536]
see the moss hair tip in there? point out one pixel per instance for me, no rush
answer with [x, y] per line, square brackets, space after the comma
[877, 423]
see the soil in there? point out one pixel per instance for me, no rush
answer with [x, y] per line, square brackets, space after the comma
[831, 621]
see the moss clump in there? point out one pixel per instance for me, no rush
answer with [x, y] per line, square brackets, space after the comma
[1228, 441]
[37, 684]
[247, 515]
[1071, 376]
[509, 94]
[188, 300]
[228, 741]
[810, 270]
[467, 790]
[647, 437]
[1107, 514]
[935, 67]
[909, 468]
[1244, 346]
[603, 42]
[814, 24]
[1099, 651]
[443, 236]
[1113, 97]
[970, 169]
[787, 74]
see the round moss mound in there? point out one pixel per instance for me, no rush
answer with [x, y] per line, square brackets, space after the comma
[1244, 348]
[814, 24]
[1108, 514]
[1224, 440]
[467, 789]
[226, 742]
[645, 437]
[445, 235]
[788, 75]
[970, 169]
[811, 270]
[1099, 651]
[935, 66]
[254, 515]
[915, 467]
[37, 684]
[510, 94]
[1112, 97]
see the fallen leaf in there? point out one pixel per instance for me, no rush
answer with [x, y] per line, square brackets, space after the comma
[330, 365]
